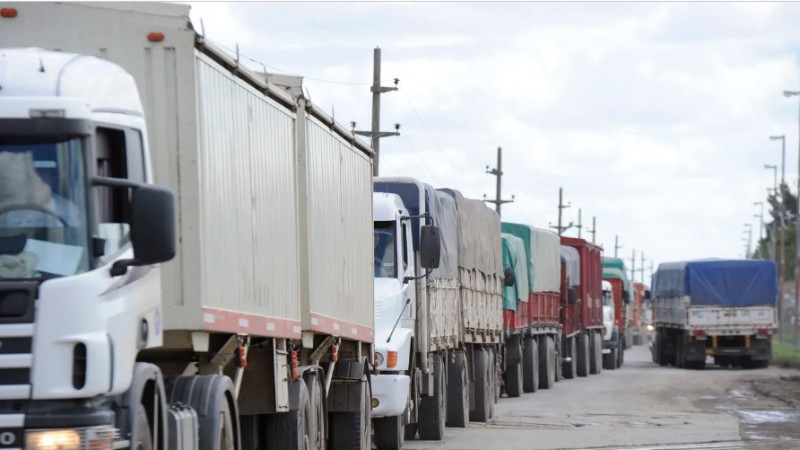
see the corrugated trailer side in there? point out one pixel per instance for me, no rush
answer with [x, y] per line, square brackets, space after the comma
[340, 235]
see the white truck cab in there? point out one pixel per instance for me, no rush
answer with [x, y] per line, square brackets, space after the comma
[80, 232]
[395, 386]
[608, 313]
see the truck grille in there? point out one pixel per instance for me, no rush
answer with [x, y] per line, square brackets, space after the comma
[17, 301]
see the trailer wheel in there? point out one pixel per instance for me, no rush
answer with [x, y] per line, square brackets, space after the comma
[144, 438]
[492, 373]
[315, 417]
[512, 380]
[610, 360]
[547, 369]
[559, 353]
[389, 432]
[458, 392]
[481, 389]
[582, 340]
[432, 407]
[598, 352]
[594, 362]
[570, 368]
[351, 430]
[620, 354]
[411, 432]
[530, 365]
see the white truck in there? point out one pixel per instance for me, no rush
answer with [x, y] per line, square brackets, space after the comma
[258, 333]
[715, 307]
[453, 324]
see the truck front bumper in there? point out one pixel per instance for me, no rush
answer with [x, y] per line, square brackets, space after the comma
[391, 394]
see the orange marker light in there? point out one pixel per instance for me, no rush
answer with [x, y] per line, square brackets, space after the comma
[8, 13]
[391, 359]
[155, 36]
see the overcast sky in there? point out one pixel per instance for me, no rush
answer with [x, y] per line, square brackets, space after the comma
[653, 117]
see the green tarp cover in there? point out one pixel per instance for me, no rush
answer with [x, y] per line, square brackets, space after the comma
[614, 268]
[526, 233]
[514, 258]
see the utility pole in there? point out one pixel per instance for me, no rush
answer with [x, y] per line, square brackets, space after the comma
[641, 267]
[498, 173]
[561, 207]
[376, 134]
[616, 245]
[580, 225]
[633, 265]
[594, 229]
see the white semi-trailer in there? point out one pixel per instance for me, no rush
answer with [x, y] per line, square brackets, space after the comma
[258, 333]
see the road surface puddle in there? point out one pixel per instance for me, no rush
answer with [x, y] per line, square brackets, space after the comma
[772, 425]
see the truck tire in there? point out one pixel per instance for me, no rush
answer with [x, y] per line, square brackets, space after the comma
[610, 360]
[583, 354]
[411, 431]
[315, 414]
[513, 380]
[493, 383]
[596, 356]
[660, 353]
[559, 354]
[291, 430]
[570, 368]
[530, 365]
[144, 438]
[217, 418]
[620, 354]
[547, 368]
[390, 432]
[458, 392]
[680, 352]
[432, 407]
[483, 394]
[351, 430]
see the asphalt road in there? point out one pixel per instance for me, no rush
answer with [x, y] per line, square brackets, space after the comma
[641, 406]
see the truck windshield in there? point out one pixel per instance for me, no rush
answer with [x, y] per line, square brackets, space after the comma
[43, 231]
[385, 261]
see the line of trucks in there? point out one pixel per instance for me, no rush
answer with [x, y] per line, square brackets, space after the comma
[195, 256]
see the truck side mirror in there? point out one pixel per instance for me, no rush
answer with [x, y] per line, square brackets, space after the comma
[626, 297]
[430, 248]
[647, 294]
[572, 296]
[509, 278]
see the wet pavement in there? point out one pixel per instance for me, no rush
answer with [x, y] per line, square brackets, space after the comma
[643, 406]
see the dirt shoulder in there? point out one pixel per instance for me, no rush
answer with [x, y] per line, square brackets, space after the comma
[785, 388]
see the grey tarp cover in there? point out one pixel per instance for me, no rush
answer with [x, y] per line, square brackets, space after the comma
[442, 208]
[572, 262]
[546, 261]
[480, 247]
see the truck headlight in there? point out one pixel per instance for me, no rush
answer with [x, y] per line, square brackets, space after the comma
[649, 327]
[94, 438]
[378, 359]
[53, 440]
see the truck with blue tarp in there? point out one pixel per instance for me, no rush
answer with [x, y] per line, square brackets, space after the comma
[725, 309]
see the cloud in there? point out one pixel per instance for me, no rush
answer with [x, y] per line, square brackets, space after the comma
[653, 117]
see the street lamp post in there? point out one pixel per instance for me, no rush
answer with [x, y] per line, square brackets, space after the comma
[760, 227]
[782, 261]
[781, 138]
[788, 94]
[749, 239]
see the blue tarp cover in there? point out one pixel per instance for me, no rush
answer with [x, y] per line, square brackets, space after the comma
[719, 282]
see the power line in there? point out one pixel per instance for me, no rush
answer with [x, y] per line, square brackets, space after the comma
[317, 24]
[435, 143]
[421, 159]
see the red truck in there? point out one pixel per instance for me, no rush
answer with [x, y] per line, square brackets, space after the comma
[638, 330]
[581, 307]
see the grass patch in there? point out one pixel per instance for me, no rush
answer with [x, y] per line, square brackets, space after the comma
[785, 355]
